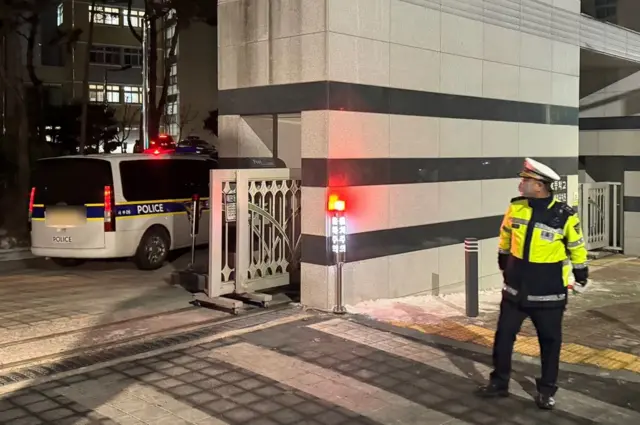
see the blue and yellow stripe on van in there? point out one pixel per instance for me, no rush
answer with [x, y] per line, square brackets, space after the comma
[156, 208]
[95, 212]
[125, 210]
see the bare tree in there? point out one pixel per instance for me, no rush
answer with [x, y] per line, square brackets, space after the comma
[85, 79]
[186, 116]
[17, 126]
[130, 117]
[160, 15]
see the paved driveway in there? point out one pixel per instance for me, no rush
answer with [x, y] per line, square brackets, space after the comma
[46, 311]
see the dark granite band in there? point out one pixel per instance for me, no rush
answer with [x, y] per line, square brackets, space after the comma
[380, 243]
[319, 172]
[338, 96]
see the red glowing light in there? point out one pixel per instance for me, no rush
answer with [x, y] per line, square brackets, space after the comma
[336, 204]
[32, 197]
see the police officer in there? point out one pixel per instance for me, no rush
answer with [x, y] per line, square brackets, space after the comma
[540, 242]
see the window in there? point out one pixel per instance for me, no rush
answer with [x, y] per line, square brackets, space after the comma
[74, 181]
[137, 17]
[105, 55]
[105, 15]
[172, 108]
[60, 14]
[133, 57]
[144, 180]
[169, 32]
[113, 94]
[96, 93]
[173, 74]
[173, 129]
[132, 94]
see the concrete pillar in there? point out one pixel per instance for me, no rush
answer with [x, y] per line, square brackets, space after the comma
[418, 113]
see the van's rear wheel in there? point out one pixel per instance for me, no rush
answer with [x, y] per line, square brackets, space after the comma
[153, 249]
[68, 262]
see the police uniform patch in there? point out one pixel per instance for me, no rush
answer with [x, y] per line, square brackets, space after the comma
[547, 236]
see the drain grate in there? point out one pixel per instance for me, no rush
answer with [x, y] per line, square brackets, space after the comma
[84, 360]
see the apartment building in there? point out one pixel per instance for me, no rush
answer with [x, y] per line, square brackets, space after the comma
[115, 58]
[193, 89]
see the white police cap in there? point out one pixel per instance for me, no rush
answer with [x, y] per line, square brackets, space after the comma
[533, 169]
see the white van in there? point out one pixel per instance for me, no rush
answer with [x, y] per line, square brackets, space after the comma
[117, 205]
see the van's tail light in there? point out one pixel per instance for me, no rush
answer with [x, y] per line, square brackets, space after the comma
[32, 197]
[109, 217]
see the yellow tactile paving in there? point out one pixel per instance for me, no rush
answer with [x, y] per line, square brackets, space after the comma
[633, 367]
[460, 333]
[528, 345]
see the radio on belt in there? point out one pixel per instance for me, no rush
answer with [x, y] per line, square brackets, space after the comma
[337, 208]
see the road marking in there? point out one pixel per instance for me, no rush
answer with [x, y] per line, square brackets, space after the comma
[135, 404]
[351, 394]
[568, 401]
[222, 335]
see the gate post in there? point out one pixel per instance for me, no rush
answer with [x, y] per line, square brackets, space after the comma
[243, 232]
[214, 286]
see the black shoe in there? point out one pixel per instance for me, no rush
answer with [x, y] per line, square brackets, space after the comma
[492, 391]
[545, 402]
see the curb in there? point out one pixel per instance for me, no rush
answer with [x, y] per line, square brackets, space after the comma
[9, 266]
[441, 342]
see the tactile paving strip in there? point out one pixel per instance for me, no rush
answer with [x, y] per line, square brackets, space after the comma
[528, 345]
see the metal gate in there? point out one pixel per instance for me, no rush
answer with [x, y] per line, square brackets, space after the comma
[601, 214]
[255, 230]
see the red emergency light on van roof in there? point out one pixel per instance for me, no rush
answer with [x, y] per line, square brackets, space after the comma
[158, 151]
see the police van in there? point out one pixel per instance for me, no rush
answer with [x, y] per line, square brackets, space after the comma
[121, 205]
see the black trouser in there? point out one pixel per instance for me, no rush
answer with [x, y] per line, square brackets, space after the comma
[548, 324]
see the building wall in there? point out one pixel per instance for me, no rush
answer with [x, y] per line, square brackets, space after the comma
[420, 117]
[197, 78]
[610, 147]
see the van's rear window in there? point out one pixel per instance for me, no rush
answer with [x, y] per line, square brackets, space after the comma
[71, 181]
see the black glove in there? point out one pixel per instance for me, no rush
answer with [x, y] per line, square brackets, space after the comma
[581, 275]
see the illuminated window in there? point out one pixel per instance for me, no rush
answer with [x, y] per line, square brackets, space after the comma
[113, 94]
[60, 14]
[132, 94]
[96, 93]
[105, 15]
[137, 17]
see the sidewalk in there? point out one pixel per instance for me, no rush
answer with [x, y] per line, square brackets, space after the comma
[295, 367]
[601, 327]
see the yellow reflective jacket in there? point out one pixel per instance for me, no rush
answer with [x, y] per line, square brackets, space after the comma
[540, 241]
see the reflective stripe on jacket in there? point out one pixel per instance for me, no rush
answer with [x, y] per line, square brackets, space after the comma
[541, 251]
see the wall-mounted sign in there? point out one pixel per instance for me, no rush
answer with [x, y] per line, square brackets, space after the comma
[230, 212]
[560, 189]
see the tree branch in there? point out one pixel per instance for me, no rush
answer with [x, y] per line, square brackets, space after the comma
[131, 27]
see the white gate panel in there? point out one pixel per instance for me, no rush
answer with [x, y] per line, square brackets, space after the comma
[268, 227]
[255, 229]
[600, 210]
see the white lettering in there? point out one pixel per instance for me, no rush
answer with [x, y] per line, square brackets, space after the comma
[150, 209]
[62, 239]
